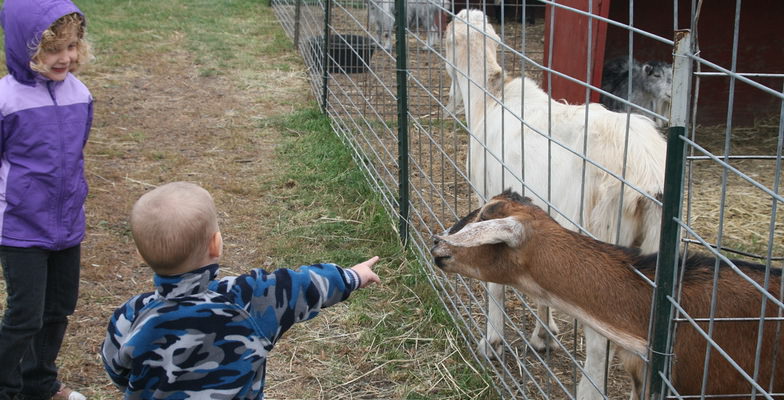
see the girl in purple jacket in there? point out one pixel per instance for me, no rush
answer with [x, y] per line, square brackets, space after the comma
[45, 118]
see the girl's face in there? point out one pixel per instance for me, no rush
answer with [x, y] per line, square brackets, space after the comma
[60, 60]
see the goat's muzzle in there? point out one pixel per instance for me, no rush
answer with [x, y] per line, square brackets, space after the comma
[440, 252]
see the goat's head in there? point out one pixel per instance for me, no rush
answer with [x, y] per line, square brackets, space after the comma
[465, 34]
[490, 240]
[470, 45]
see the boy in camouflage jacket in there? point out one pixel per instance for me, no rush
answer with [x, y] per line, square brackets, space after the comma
[198, 337]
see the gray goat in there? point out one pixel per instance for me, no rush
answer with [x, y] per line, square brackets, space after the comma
[651, 86]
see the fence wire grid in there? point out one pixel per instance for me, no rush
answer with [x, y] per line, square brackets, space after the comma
[450, 108]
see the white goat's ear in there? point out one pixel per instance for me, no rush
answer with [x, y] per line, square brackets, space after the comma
[503, 230]
[454, 104]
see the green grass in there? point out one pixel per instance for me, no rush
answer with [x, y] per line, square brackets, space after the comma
[154, 27]
[327, 186]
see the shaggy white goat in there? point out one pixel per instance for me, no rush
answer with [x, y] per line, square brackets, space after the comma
[512, 241]
[578, 190]
[381, 14]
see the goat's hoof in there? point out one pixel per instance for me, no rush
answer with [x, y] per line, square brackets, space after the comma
[587, 392]
[541, 344]
[593, 395]
[491, 350]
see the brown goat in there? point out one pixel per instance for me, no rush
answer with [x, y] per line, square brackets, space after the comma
[513, 242]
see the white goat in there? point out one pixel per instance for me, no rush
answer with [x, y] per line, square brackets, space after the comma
[579, 191]
[381, 14]
[511, 241]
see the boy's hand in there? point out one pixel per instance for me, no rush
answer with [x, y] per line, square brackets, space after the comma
[366, 275]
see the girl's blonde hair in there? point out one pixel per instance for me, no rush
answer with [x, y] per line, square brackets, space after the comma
[56, 37]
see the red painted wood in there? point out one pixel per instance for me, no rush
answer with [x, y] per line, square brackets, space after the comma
[570, 47]
[761, 49]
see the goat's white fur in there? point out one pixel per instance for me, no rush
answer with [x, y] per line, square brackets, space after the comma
[503, 230]
[497, 134]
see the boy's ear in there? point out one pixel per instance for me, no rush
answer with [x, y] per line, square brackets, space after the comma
[139, 255]
[216, 245]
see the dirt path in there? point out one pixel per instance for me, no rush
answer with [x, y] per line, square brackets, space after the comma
[158, 120]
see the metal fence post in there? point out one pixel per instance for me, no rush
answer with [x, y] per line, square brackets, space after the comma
[402, 117]
[666, 270]
[297, 17]
[325, 58]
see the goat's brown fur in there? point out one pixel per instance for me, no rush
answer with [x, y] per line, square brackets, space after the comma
[561, 267]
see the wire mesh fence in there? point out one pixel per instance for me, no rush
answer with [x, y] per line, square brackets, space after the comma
[445, 111]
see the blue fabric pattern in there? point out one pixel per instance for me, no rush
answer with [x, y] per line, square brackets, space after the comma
[197, 337]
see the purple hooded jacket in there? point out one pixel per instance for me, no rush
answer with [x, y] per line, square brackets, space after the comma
[44, 126]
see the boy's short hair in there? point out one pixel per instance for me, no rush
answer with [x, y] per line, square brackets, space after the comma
[55, 37]
[173, 224]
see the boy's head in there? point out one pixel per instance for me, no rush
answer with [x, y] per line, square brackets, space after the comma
[61, 48]
[175, 228]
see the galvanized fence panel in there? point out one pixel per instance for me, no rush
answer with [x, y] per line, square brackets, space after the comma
[731, 203]
[708, 76]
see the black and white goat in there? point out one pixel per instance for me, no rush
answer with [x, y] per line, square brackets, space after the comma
[511, 241]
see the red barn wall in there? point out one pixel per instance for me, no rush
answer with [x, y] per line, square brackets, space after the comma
[760, 49]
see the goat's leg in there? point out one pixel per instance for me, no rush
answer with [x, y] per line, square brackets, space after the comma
[379, 22]
[432, 36]
[595, 365]
[495, 321]
[541, 340]
[433, 29]
[385, 25]
[634, 365]
[388, 37]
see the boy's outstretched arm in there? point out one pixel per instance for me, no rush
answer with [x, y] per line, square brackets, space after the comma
[284, 297]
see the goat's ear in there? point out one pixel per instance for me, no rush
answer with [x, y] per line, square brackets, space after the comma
[495, 81]
[503, 230]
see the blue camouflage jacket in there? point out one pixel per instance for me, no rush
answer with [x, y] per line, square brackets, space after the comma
[197, 337]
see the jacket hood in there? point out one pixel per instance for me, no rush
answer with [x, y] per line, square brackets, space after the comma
[23, 22]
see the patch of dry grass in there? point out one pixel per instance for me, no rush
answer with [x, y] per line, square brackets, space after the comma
[723, 201]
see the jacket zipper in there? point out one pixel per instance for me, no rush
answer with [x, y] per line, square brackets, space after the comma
[59, 201]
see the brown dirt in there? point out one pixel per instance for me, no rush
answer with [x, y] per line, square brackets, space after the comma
[157, 120]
